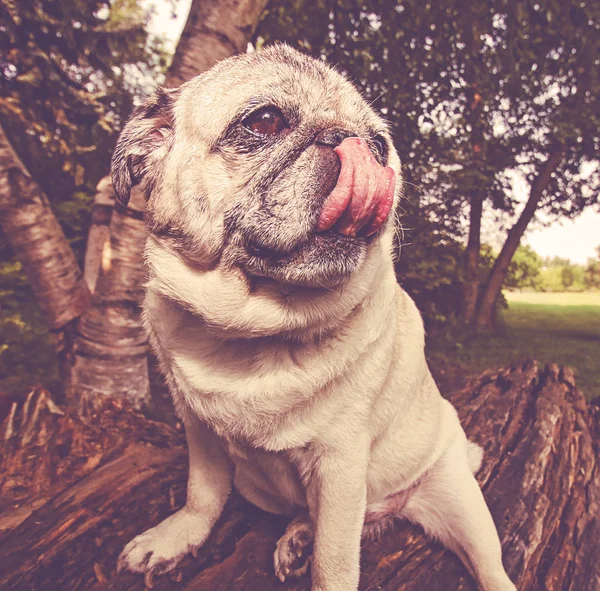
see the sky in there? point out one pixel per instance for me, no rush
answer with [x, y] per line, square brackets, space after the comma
[575, 239]
[162, 21]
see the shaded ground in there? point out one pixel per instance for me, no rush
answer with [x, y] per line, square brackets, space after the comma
[551, 327]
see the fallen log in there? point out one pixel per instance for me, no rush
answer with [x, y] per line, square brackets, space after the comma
[540, 477]
[44, 449]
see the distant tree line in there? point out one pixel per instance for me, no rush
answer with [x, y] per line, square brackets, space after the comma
[529, 271]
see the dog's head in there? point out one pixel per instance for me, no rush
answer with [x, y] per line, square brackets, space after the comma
[271, 162]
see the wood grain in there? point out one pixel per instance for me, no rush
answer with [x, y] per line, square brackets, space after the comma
[540, 478]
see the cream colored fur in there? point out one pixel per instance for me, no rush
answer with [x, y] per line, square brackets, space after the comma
[317, 403]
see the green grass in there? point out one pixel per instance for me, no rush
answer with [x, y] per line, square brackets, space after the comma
[563, 328]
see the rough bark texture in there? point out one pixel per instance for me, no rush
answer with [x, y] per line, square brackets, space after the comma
[111, 349]
[97, 250]
[36, 236]
[29, 224]
[45, 448]
[540, 477]
[497, 275]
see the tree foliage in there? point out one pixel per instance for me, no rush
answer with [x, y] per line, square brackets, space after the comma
[67, 79]
[525, 270]
[23, 333]
[481, 96]
[529, 71]
[592, 272]
[559, 274]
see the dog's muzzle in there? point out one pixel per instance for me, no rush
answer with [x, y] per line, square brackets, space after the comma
[362, 198]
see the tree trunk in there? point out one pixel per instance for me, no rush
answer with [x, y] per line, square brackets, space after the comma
[97, 250]
[493, 286]
[540, 477]
[111, 349]
[37, 239]
[213, 31]
[470, 287]
[111, 344]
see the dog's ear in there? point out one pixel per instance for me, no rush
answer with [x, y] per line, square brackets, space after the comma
[143, 144]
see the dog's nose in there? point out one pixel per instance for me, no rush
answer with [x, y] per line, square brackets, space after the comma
[332, 137]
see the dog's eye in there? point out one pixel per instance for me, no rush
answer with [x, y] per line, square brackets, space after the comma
[266, 121]
[381, 146]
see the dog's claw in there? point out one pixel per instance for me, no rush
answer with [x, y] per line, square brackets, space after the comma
[160, 549]
[291, 547]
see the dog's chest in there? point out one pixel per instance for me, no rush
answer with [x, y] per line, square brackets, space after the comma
[267, 479]
[261, 391]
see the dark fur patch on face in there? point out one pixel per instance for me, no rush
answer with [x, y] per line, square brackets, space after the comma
[262, 227]
[326, 261]
[136, 158]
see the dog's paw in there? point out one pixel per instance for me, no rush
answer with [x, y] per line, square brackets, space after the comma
[159, 549]
[293, 551]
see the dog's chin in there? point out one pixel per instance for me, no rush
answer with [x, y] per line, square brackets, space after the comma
[327, 260]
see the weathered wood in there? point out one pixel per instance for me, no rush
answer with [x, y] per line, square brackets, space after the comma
[44, 449]
[111, 350]
[97, 249]
[38, 241]
[540, 477]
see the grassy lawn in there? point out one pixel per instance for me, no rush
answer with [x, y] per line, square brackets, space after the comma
[551, 327]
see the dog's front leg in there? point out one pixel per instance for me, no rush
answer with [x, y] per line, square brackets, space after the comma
[160, 548]
[337, 502]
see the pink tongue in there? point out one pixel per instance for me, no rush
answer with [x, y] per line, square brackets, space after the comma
[363, 195]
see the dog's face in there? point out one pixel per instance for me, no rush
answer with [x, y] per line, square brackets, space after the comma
[245, 166]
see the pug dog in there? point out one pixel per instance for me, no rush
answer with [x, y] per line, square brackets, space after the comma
[294, 358]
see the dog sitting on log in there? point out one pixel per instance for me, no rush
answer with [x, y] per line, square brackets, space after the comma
[294, 358]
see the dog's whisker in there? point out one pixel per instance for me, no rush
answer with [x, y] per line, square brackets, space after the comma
[418, 187]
